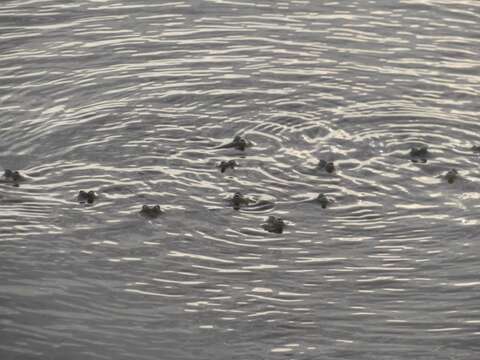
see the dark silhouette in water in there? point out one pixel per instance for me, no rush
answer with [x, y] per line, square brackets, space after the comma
[86, 197]
[238, 200]
[328, 166]
[238, 143]
[151, 212]
[250, 203]
[323, 200]
[274, 225]
[14, 177]
[451, 176]
[224, 165]
[419, 154]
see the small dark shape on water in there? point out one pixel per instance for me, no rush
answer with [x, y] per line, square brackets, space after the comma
[238, 200]
[475, 148]
[151, 212]
[224, 165]
[328, 166]
[238, 143]
[274, 225]
[86, 197]
[13, 177]
[323, 200]
[451, 176]
[419, 154]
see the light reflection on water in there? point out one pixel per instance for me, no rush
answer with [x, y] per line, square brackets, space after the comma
[130, 100]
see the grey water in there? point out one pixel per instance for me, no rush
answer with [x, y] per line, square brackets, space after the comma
[130, 98]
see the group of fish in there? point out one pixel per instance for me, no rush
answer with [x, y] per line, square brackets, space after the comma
[272, 224]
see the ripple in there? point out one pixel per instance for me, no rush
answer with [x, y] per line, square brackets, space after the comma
[130, 100]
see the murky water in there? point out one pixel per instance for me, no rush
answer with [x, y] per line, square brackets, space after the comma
[130, 98]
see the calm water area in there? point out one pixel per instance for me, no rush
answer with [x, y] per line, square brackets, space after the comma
[131, 99]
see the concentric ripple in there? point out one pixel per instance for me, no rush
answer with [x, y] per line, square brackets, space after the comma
[132, 100]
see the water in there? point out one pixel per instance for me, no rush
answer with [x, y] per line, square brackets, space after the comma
[130, 98]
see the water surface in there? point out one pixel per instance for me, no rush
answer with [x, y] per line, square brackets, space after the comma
[129, 99]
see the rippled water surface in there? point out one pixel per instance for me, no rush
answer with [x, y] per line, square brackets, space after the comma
[131, 98]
